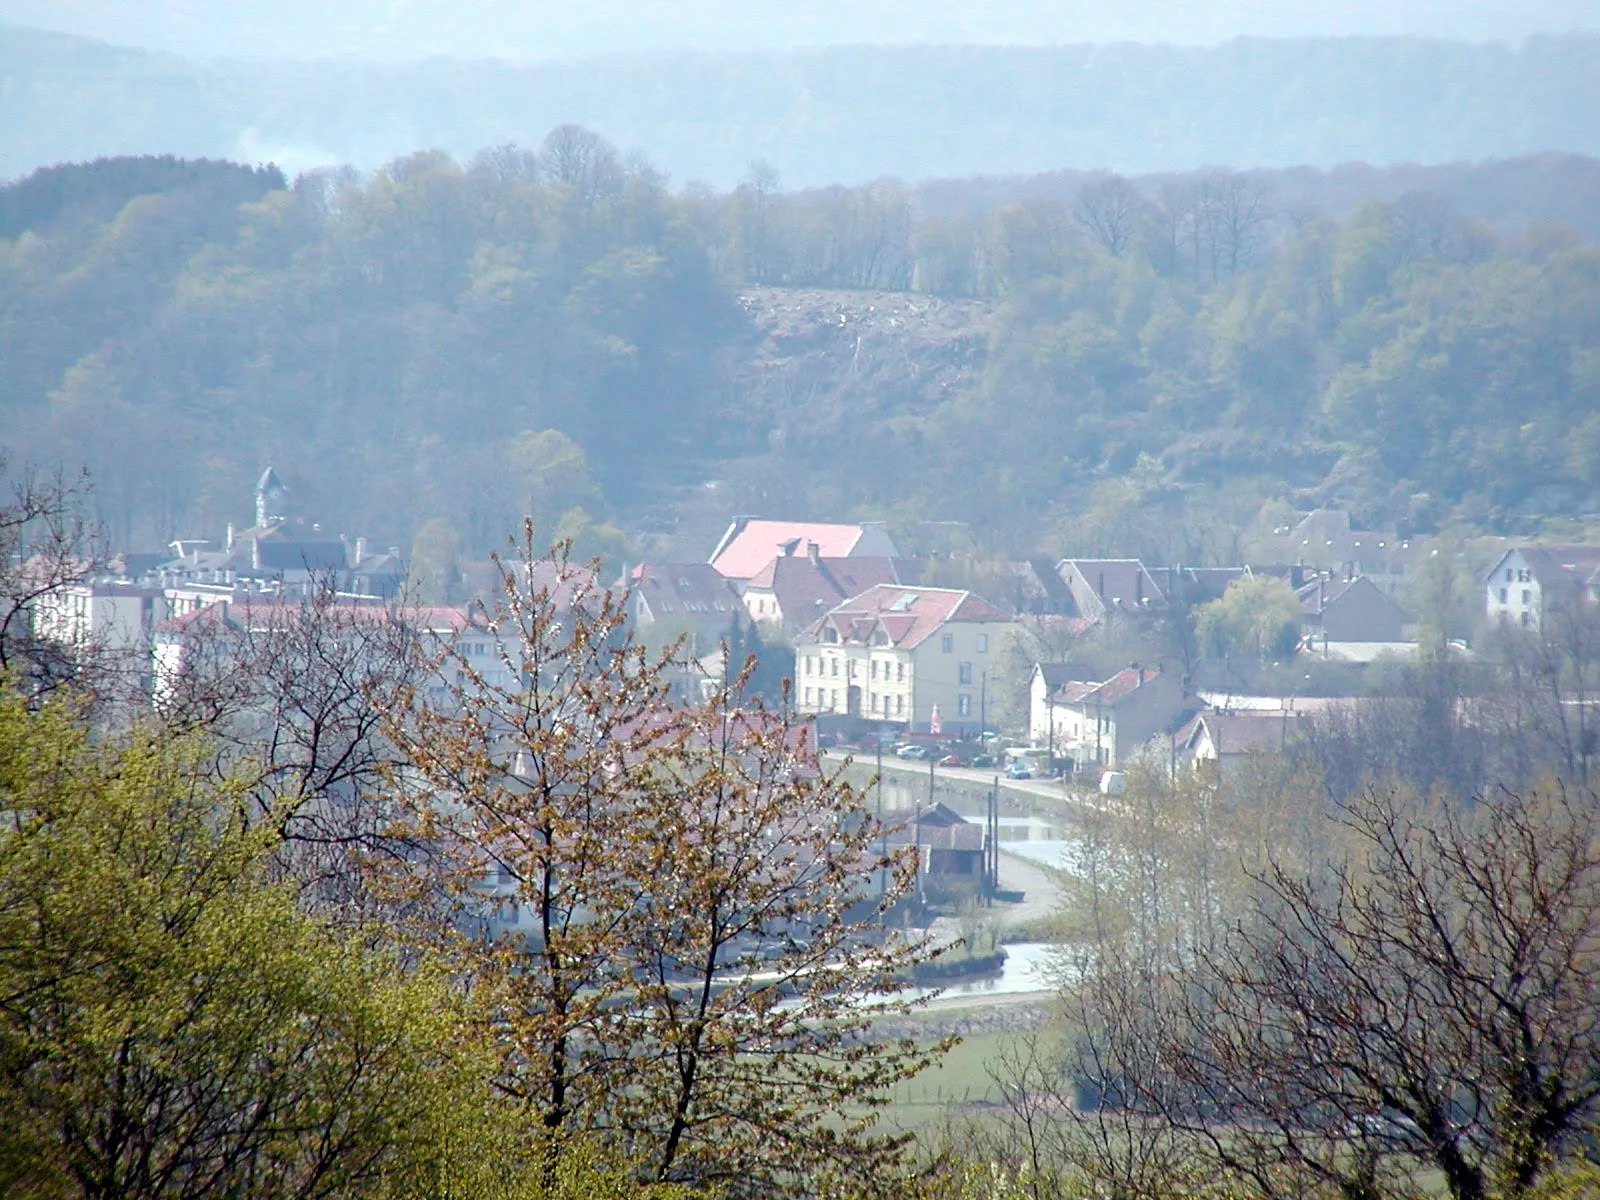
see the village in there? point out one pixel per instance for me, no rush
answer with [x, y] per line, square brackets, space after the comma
[1035, 694]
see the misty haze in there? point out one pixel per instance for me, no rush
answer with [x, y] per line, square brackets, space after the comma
[887, 601]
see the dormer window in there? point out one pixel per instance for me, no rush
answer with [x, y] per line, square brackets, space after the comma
[830, 635]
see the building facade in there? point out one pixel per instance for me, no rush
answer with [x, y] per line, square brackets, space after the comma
[908, 656]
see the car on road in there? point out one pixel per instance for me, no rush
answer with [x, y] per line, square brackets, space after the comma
[1017, 769]
[983, 760]
[952, 760]
[912, 751]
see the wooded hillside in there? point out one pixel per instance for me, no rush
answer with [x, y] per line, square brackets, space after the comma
[1130, 367]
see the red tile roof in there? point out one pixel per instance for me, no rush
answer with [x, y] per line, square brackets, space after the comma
[1124, 683]
[906, 615]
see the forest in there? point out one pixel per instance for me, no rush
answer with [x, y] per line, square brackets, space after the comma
[1115, 365]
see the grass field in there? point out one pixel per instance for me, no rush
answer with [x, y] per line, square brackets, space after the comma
[960, 1079]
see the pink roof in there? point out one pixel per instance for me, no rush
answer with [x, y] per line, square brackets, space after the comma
[744, 554]
[907, 615]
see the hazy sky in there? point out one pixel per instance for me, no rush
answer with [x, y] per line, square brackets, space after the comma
[406, 29]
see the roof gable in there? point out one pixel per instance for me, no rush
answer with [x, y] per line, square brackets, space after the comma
[907, 616]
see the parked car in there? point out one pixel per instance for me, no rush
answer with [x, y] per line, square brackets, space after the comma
[953, 760]
[1017, 769]
[983, 760]
[912, 751]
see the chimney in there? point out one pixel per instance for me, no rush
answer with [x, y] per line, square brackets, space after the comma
[1138, 585]
[814, 553]
[361, 550]
[788, 548]
[1100, 585]
[230, 535]
[1140, 668]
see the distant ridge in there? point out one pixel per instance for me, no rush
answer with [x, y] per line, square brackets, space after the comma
[847, 114]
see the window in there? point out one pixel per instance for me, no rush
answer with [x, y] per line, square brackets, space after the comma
[874, 669]
[899, 705]
[835, 694]
[947, 644]
[833, 667]
[1527, 596]
[809, 701]
[964, 672]
[964, 705]
[1504, 595]
[983, 643]
[900, 672]
[1510, 575]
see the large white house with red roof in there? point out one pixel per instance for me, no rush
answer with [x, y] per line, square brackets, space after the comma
[750, 544]
[897, 653]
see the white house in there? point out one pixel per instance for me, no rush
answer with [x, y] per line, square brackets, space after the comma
[104, 616]
[897, 653]
[1101, 723]
[796, 588]
[1529, 580]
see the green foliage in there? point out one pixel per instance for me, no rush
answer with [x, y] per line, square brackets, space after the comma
[170, 1024]
[1257, 617]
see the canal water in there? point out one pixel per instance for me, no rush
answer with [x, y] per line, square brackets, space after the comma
[1029, 967]
[1036, 838]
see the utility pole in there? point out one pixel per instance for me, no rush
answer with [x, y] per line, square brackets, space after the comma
[983, 709]
[883, 836]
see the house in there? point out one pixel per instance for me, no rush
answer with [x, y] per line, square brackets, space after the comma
[795, 589]
[1044, 682]
[689, 598]
[1349, 610]
[1109, 587]
[907, 655]
[950, 846]
[1223, 740]
[1197, 585]
[1034, 587]
[215, 633]
[110, 616]
[1325, 540]
[749, 544]
[1103, 723]
[283, 551]
[1529, 581]
[693, 601]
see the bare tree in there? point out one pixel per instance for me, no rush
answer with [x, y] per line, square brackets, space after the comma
[1110, 210]
[583, 161]
[47, 544]
[291, 696]
[1432, 1002]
